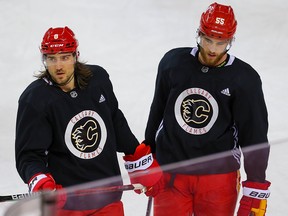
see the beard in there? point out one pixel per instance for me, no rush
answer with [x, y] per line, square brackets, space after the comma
[206, 60]
[65, 82]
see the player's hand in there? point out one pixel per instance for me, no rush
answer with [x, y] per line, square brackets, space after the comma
[254, 199]
[41, 182]
[159, 186]
[142, 167]
[45, 182]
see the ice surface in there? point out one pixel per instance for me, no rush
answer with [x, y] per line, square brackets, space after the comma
[128, 38]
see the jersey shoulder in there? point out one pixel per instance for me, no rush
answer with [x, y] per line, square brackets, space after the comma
[34, 90]
[244, 71]
[98, 71]
[176, 56]
[37, 96]
[100, 76]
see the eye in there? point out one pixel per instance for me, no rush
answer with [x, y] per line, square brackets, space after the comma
[65, 58]
[222, 43]
[51, 59]
[207, 40]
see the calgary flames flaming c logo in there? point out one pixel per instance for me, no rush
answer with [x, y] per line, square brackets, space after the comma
[86, 135]
[196, 111]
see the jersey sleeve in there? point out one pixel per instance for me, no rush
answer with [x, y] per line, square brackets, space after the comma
[33, 137]
[252, 121]
[158, 104]
[125, 139]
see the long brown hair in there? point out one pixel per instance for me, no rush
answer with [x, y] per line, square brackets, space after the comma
[82, 74]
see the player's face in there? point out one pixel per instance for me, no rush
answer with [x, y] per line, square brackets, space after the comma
[61, 69]
[212, 51]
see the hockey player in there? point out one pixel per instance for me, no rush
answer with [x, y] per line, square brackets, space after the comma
[206, 102]
[69, 128]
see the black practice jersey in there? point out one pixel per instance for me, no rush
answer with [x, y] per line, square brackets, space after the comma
[72, 135]
[198, 111]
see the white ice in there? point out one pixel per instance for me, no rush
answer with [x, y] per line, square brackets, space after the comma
[128, 38]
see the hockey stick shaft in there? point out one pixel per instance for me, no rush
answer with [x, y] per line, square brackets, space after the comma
[149, 206]
[111, 189]
[15, 197]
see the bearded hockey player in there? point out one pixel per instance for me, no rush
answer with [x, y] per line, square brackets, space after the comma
[69, 129]
[208, 102]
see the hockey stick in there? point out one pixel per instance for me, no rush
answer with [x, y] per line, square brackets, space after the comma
[111, 189]
[15, 197]
[149, 205]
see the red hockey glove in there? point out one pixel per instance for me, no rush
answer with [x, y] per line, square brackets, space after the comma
[159, 186]
[45, 182]
[40, 182]
[254, 200]
[142, 167]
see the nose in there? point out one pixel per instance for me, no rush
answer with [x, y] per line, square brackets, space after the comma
[58, 64]
[212, 47]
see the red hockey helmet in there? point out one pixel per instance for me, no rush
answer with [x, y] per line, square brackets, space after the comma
[218, 21]
[58, 40]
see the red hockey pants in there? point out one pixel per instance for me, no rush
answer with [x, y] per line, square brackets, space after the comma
[115, 209]
[199, 195]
